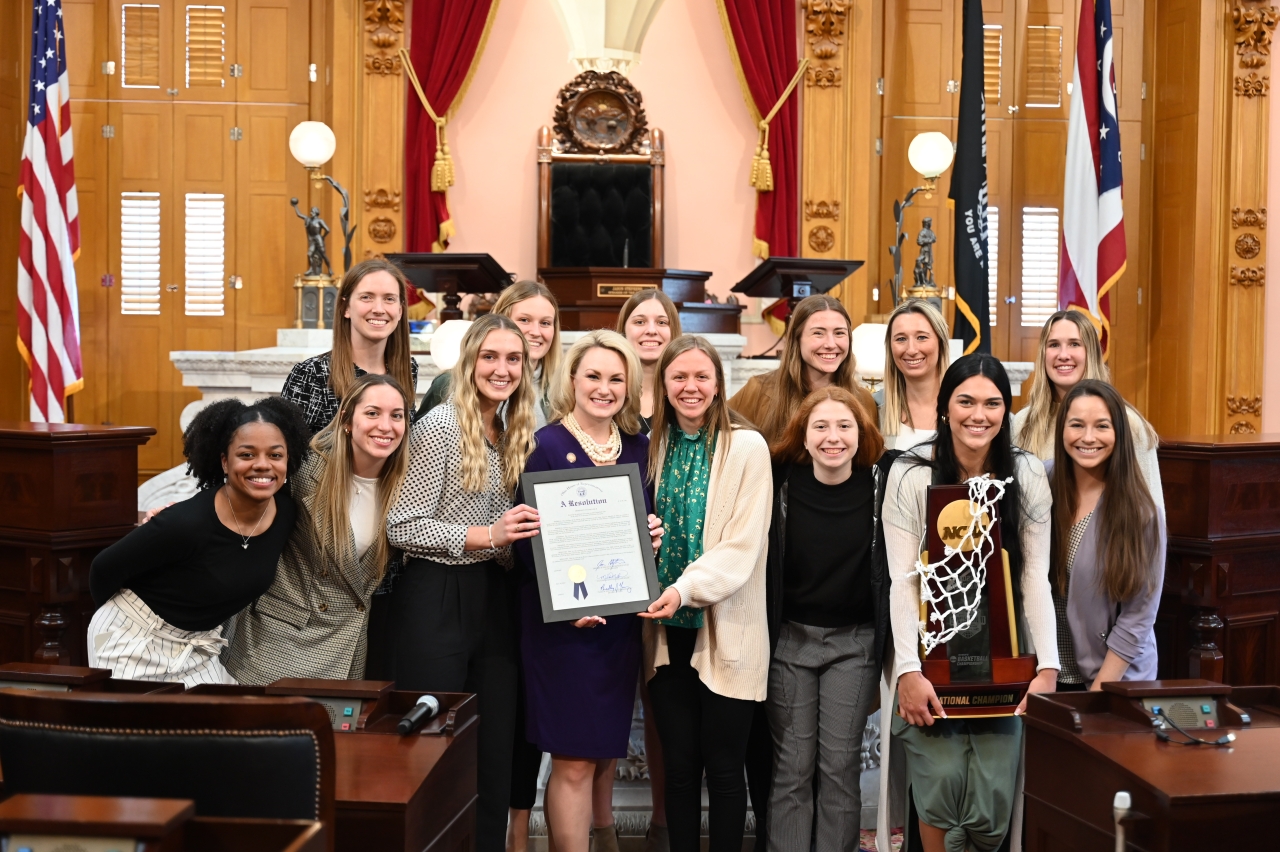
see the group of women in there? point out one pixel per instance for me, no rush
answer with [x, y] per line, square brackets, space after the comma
[786, 522]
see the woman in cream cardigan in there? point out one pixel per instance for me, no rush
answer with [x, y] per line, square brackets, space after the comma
[707, 639]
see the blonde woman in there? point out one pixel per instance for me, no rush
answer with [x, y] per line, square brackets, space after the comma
[313, 621]
[533, 307]
[649, 320]
[580, 677]
[707, 643]
[816, 354]
[370, 335]
[1070, 352]
[455, 522]
[915, 357]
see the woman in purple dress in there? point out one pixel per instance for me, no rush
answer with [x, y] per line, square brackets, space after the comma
[580, 676]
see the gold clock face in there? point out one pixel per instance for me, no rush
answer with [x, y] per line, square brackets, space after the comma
[953, 522]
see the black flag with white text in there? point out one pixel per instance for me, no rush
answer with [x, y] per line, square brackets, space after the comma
[969, 193]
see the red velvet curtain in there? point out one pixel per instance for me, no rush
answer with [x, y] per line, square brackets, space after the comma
[445, 38]
[764, 38]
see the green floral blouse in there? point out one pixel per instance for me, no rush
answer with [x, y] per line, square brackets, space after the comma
[681, 503]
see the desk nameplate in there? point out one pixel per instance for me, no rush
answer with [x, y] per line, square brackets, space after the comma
[620, 291]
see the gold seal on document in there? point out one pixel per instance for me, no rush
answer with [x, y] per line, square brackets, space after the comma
[577, 574]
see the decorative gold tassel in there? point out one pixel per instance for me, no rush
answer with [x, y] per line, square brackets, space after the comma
[442, 169]
[761, 168]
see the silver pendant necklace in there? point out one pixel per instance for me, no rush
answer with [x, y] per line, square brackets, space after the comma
[239, 530]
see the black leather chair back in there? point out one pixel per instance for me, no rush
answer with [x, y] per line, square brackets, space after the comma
[234, 757]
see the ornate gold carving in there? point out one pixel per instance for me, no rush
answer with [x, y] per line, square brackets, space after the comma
[822, 210]
[1249, 218]
[384, 21]
[600, 113]
[1254, 24]
[1244, 405]
[382, 230]
[382, 198]
[1253, 86]
[822, 239]
[1248, 276]
[1248, 246]
[1243, 427]
[824, 24]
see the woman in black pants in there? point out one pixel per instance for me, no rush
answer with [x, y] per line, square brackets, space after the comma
[707, 642]
[454, 631]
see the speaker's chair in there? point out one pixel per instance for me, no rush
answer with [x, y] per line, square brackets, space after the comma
[600, 178]
[267, 757]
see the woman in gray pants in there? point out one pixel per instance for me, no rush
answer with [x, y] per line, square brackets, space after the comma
[825, 616]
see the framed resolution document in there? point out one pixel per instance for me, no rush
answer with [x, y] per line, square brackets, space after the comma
[593, 555]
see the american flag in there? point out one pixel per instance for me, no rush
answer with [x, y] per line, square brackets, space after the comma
[48, 306]
[1093, 248]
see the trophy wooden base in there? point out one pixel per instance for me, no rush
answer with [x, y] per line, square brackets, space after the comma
[1010, 678]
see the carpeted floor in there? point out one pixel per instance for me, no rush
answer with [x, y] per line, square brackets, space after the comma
[868, 841]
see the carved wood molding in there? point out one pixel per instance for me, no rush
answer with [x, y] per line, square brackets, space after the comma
[382, 198]
[1243, 427]
[1254, 24]
[822, 239]
[382, 230]
[1244, 405]
[822, 210]
[384, 22]
[1253, 86]
[824, 25]
[1249, 218]
[1248, 246]
[1248, 276]
[600, 113]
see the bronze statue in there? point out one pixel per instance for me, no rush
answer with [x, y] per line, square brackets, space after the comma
[924, 263]
[317, 231]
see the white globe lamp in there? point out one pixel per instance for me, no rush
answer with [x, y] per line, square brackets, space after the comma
[312, 143]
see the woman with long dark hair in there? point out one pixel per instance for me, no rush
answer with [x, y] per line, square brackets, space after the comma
[1108, 543]
[829, 626]
[166, 589]
[707, 643]
[963, 773]
[454, 630]
[313, 621]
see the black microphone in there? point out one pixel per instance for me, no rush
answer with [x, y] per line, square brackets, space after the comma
[426, 708]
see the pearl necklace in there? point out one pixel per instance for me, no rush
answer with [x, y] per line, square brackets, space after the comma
[598, 453]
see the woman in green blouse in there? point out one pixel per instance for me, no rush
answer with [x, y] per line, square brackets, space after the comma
[707, 640]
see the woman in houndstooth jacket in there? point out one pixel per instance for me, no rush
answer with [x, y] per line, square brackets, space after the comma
[313, 621]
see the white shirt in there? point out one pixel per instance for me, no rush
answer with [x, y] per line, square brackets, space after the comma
[362, 509]
[908, 437]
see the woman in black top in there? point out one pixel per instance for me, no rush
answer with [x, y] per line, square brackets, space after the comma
[165, 590]
[824, 618]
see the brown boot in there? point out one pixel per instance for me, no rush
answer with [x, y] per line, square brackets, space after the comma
[604, 839]
[657, 839]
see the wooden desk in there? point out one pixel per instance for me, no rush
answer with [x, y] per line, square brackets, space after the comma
[1082, 748]
[158, 825]
[414, 793]
[590, 297]
[66, 492]
[1219, 614]
[78, 679]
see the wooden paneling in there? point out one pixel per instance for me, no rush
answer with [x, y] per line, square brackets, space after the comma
[94, 195]
[15, 38]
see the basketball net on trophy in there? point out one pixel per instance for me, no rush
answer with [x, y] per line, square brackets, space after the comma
[969, 644]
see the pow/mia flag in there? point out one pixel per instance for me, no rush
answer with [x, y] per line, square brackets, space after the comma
[969, 193]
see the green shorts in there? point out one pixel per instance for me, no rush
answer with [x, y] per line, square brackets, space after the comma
[963, 776]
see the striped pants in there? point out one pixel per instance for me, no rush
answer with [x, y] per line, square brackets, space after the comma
[822, 682]
[126, 637]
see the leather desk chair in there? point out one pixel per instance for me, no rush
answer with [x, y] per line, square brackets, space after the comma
[234, 757]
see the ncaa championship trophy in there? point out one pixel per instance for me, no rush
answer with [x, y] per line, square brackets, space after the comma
[969, 644]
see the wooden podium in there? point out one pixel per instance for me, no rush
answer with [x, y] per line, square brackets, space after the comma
[590, 297]
[1084, 747]
[1219, 614]
[66, 492]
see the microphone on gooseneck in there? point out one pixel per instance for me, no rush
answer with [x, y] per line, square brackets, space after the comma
[426, 708]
